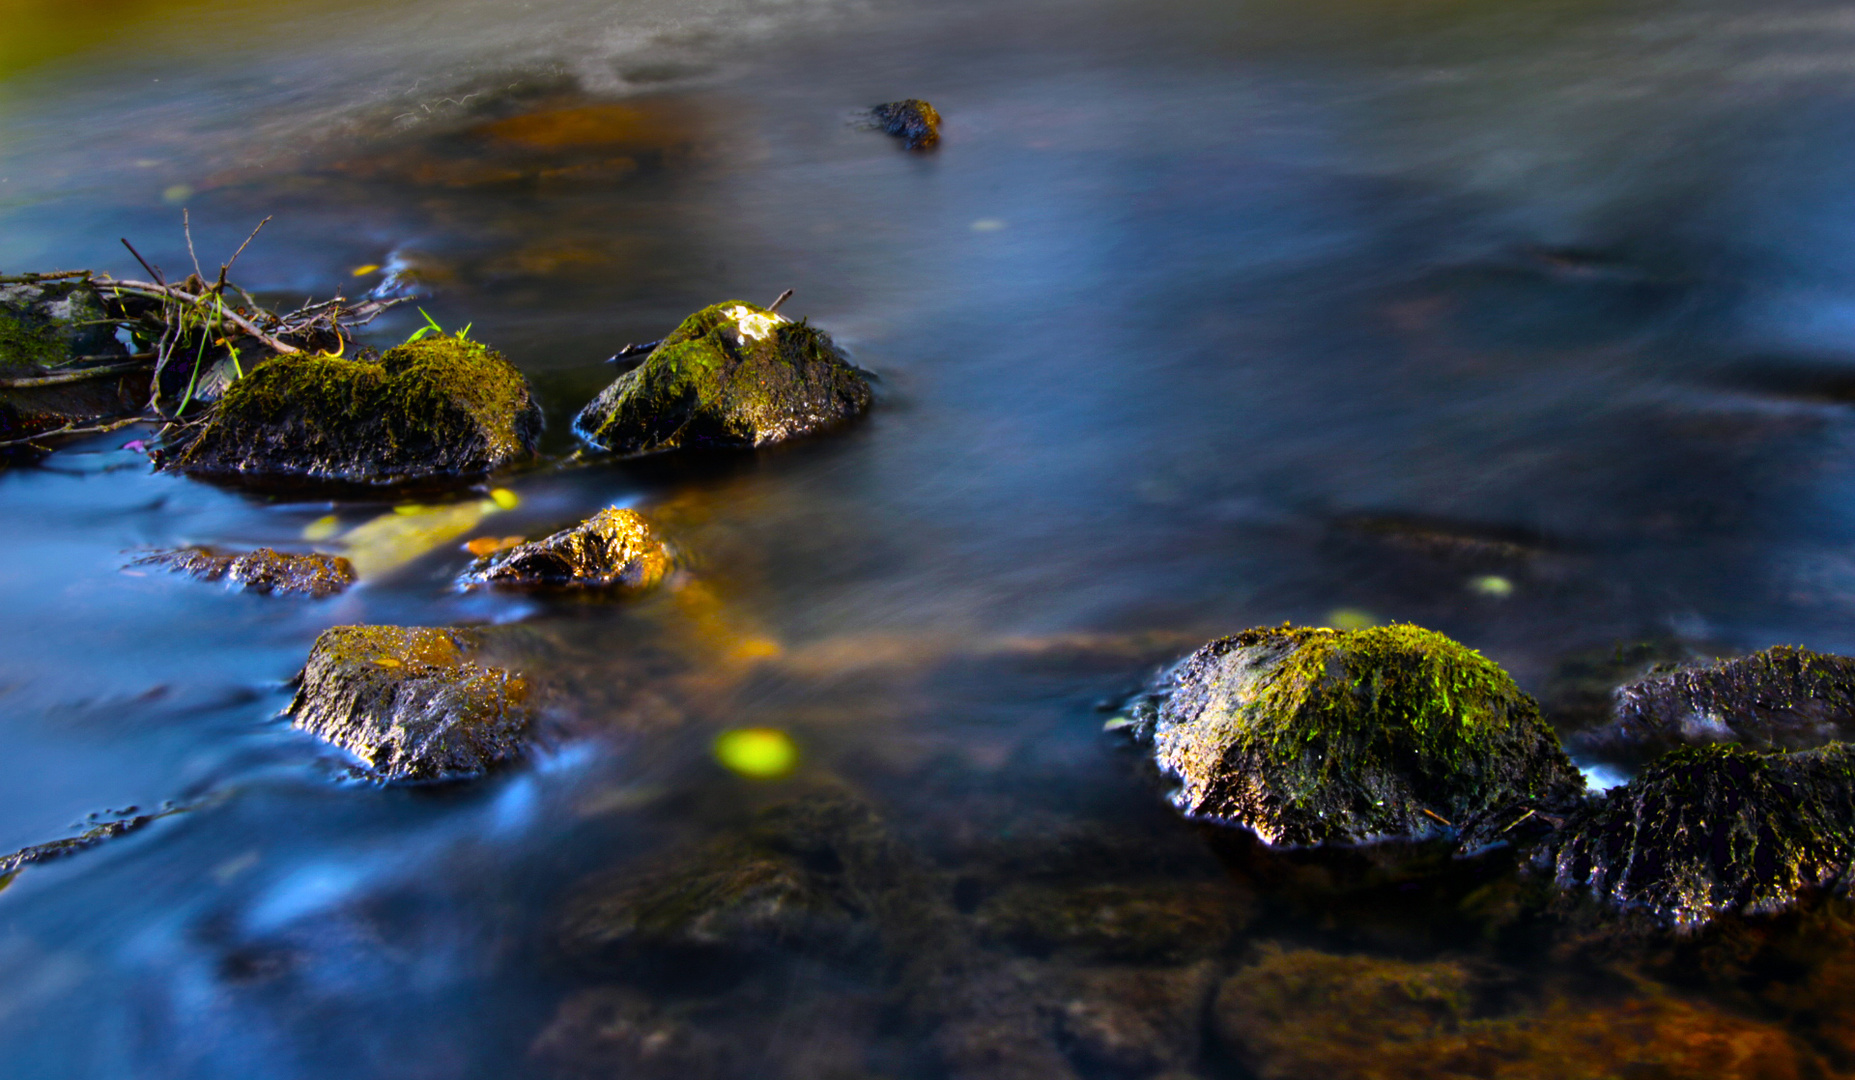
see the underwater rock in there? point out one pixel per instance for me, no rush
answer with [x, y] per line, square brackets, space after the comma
[1152, 922]
[411, 702]
[262, 571]
[1784, 698]
[1308, 736]
[71, 845]
[809, 875]
[614, 1032]
[45, 324]
[1136, 1021]
[732, 375]
[1301, 1013]
[442, 408]
[613, 548]
[911, 120]
[1714, 829]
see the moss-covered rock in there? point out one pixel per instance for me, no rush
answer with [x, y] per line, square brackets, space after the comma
[412, 703]
[1707, 830]
[1300, 1013]
[1783, 698]
[732, 375]
[45, 324]
[263, 571]
[911, 120]
[615, 548]
[441, 408]
[1309, 736]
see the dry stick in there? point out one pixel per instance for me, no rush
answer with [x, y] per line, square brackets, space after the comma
[175, 293]
[72, 429]
[153, 271]
[774, 306]
[33, 279]
[187, 227]
[243, 246]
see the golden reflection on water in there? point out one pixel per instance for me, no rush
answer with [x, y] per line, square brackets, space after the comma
[37, 32]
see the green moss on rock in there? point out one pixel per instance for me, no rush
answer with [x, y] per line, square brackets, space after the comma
[1309, 736]
[732, 375]
[47, 324]
[615, 548]
[1784, 698]
[442, 407]
[1714, 829]
[412, 703]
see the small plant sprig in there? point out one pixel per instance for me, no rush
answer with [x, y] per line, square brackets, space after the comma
[431, 327]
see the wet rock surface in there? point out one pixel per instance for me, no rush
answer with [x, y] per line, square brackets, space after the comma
[732, 375]
[911, 120]
[436, 410]
[615, 548]
[1705, 831]
[1784, 698]
[47, 324]
[1310, 736]
[263, 571]
[412, 703]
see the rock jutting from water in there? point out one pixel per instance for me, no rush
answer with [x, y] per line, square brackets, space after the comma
[1309, 736]
[1784, 698]
[438, 409]
[60, 360]
[615, 548]
[262, 571]
[911, 120]
[732, 375]
[412, 703]
[1714, 829]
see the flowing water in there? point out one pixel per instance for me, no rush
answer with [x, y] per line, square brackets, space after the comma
[1526, 321]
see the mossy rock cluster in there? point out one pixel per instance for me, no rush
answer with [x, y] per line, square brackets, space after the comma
[1710, 830]
[614, 549]
[1311, 736]
[438, 409]
[262, 571]
[732, 375]
[412, 703]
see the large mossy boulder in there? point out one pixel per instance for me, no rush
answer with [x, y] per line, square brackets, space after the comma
[438, 409]
[614, 549]
[1311, 736]
[1709, 830]
[412, 703]
[1784, 698]
[732, 375]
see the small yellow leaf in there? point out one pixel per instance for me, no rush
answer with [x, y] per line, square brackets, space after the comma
[322, 528]
[363, 271]
[763, 753]
[506, 499]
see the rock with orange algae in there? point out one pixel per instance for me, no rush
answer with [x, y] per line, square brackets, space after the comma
[915, 122]
[261, 571]
[615, 548]
[412, 703]
[1303, 1013]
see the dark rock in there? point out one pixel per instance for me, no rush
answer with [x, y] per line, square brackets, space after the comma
[439, 409]
[616, 1032]
[1152, 922]
[614, 548]
[89, 838]
[411, 702]
[1135, 1021]
[732, 375]
[46, 324]
[1714, 829]
[1310, 736]
[913, 121]
[1579, 695]
[1301, 1013]
[1784, 698]
[263, 570]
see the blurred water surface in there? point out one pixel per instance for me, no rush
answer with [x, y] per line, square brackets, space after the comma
[1530, 322]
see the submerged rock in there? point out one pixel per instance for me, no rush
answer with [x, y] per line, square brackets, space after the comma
[732, 375]
[1784, 698]
[614, 548]
[912, 120]
[1135, 1021]
[615, 1031]
[1152, 922]
[263, 570]
[1709, 830]
[1309, 736]
[443, 408]
[1301, 1013]
[71, 845]
[411, 702]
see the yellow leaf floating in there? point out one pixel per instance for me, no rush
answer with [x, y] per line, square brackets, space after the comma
[363, 271]
[763, 753]
[505, 498]
[404, 533]
[322, 528]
